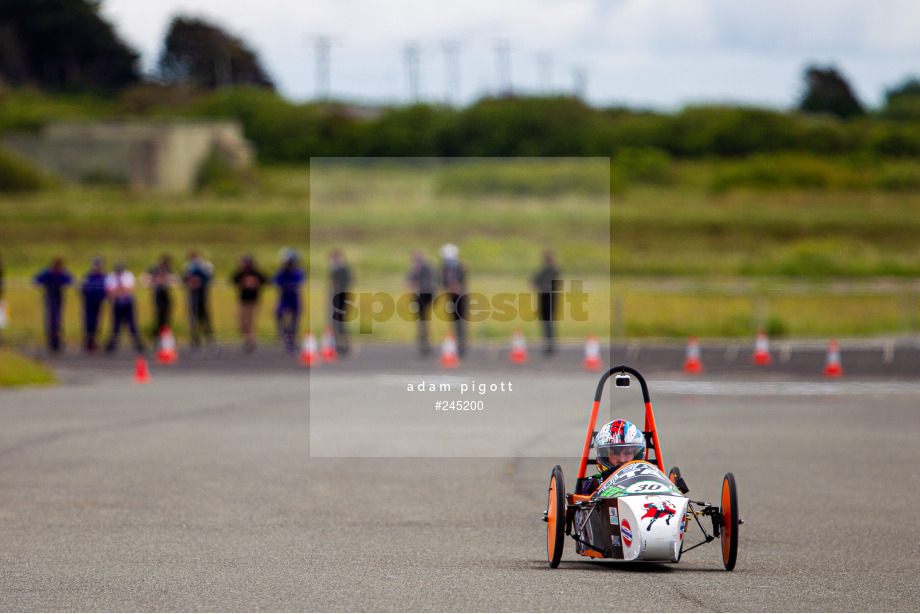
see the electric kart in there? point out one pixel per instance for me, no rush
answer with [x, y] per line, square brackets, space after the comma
[637, 513]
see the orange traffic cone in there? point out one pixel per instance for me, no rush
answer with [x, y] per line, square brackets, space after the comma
[449, 358]
[308, 356]
[762, 350]
[166, 354]
[141, 373]
[518, 355]
[693, 364]
[328, 349]
[592, 354]
[833, 367]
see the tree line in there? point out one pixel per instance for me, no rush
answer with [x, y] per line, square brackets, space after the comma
[555, 126]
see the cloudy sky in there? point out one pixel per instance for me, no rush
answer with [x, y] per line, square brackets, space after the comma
[650, 53]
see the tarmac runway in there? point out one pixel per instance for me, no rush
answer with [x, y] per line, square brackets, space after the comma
[227, 484]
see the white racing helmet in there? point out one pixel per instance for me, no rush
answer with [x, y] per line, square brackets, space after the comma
[618, 442]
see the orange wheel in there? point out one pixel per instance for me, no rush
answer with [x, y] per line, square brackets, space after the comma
[729, 511]
[555, 517]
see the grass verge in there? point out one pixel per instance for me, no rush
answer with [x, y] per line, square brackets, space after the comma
[17, 370]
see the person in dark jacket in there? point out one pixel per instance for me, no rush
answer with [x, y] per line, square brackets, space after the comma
[93, 292]
[453, 278]
[54, 279]
[288, 278]
[421, 282]
[548, 284]
[249, 281]
[339, 294]
[197, 274]
[161, 279]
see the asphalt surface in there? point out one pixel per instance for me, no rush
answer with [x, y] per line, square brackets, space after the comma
[206, 489]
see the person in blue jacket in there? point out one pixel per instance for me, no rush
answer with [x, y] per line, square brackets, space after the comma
[54, 279]
[93, 291]
[288, 278]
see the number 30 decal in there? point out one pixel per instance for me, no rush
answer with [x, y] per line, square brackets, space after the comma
[646, 487]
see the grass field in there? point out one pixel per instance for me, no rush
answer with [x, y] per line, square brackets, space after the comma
[645, 235]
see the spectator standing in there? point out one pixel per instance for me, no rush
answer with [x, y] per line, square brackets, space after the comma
[54, 279]
[453, 278]
[119, 288]
[249, 281]
[548, 284]
[421, 281]
[161, 279]
[339, 291]
[93, 292]
[288, 278]
[197, 274]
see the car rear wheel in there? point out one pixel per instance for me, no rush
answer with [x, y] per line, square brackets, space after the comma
[729, 511]
[555, 517]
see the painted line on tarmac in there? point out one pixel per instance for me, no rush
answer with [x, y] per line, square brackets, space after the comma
[807, 389]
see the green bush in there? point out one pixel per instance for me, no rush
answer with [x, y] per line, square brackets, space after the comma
[513, 126]
[643, 165]
[17, 175]
[895, 140]
[283, 131]
[29, 110]
[787, 171]
[406, 132]
[730, 131]
[777, 327]
[903, 177]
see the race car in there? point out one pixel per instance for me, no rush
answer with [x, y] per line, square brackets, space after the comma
[637, 513]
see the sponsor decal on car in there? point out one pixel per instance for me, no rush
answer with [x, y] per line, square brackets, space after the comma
[613, 516]
[615, 541]
[626, 532]
[658, 510]
[613, 491]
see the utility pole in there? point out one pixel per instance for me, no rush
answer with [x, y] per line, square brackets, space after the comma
[452, 71]
[579, 81]
[412, 54]
[545, 72]
[322, 45]
[503, 59]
